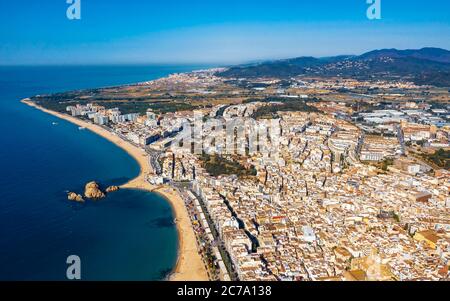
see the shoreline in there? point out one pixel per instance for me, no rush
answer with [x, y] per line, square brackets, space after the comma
[189, 266]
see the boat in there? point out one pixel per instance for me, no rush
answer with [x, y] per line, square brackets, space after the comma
[54, 123]
[81, 128]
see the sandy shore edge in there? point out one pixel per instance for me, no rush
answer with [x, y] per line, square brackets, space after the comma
[189, 265]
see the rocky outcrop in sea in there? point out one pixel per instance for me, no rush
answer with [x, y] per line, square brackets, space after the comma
[93, 191]
[72, 196]
[112, 189]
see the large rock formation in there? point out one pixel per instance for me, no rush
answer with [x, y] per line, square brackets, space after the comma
[72, 196]
[112, 189]
[92, 191]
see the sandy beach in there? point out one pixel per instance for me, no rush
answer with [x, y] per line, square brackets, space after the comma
[189, 265]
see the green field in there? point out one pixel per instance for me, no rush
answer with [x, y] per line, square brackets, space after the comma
[216, 166]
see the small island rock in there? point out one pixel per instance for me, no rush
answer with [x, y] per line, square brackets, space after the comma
[92, 191]
[112, 189]
[72, 196]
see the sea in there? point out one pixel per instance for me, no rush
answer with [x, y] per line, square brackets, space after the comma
[130, 235]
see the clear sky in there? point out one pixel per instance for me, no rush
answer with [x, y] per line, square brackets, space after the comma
[212, 31]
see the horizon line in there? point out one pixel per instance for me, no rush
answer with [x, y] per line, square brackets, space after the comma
[218, 64]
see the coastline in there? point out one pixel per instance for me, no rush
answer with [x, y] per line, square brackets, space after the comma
[189, 266]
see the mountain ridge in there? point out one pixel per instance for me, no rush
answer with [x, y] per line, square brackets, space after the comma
[426, 66]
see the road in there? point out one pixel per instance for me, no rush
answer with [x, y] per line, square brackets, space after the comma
[401, 138]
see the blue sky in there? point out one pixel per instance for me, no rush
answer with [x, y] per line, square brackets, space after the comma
[212, 31]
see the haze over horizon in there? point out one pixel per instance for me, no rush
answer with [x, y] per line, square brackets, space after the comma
[206, 32]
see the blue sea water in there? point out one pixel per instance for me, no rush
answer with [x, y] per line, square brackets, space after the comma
[127, 236]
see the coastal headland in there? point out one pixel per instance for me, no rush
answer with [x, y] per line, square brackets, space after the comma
[189, 265]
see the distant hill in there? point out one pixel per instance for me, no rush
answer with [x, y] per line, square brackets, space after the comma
[423, 66]
[431, 54]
